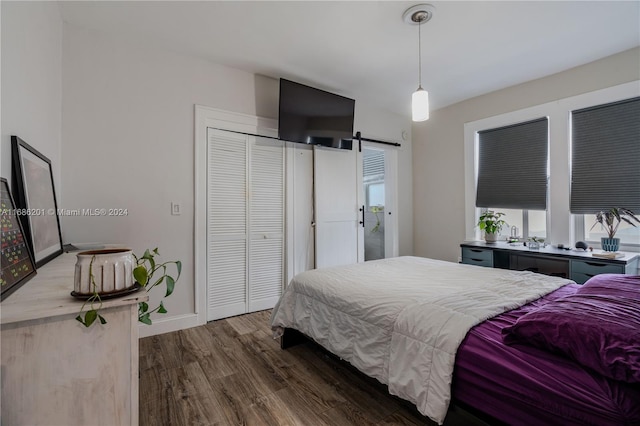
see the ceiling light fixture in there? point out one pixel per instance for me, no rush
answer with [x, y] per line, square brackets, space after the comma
[418, 15]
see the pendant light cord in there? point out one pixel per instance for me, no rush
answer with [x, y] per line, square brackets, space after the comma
[419, 54]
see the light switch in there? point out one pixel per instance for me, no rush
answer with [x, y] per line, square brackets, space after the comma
[175, 209]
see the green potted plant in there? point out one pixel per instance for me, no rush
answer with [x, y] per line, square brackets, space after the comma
[145, 273]
[375, 210]
[534, 243]
[491, 223]
[611, 220]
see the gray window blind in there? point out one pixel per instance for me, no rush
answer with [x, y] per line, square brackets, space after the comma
[512, 169]
[605, 157]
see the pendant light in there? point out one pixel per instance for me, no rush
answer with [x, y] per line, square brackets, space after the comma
[418, 15]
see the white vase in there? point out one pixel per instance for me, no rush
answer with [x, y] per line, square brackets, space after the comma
[490, 238]
[112, 271]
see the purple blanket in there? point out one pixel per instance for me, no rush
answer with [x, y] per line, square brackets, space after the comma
[522, 385]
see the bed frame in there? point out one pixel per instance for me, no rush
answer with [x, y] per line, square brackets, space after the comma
[459, 414]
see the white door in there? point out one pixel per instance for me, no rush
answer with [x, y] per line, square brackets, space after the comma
[266, 223]
[378, 175]
[245, 223]
[336, 206]
[226, 224]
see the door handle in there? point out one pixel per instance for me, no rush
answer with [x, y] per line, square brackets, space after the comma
[362, 221]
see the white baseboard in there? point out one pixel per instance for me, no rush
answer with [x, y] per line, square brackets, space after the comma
[167, 325]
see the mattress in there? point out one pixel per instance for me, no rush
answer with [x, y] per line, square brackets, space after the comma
[523, 385]
[401, 320]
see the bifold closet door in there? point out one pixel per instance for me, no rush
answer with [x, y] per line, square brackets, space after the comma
[266, 213]
[245, 223]
[227, 224]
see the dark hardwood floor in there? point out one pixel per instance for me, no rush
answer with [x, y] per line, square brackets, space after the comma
[232, 372]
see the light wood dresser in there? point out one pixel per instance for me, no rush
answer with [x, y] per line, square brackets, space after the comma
[57, 372]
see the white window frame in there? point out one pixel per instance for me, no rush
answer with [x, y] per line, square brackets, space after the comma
[562, 227]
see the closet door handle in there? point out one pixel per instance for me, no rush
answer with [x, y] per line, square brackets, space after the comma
[362, 221]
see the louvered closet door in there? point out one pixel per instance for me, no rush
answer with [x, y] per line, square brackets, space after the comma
[266, 251]
[245, 224]
[227, 225]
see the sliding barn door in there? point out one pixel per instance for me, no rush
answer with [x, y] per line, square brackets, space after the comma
[336, 206]
[245, 224]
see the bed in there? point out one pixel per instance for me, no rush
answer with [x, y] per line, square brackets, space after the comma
[432, 331]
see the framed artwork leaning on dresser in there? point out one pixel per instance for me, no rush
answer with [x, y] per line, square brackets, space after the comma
[35, 196]
[16, 261]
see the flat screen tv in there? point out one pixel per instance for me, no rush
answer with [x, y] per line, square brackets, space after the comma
[315, 117]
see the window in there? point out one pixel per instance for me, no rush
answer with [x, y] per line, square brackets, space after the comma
[605, 157]
[605, 171]
[627, 233]
[528, 223]
[373, 177]
[513, 166]
[562, 227]
[375, 195]
[537, 224]
[513, 175]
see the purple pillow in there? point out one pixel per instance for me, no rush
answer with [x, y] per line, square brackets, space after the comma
[598, 326]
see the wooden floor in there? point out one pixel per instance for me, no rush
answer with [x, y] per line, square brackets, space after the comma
[231, 372]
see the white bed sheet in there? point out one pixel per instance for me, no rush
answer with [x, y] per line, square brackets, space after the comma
[401, 320]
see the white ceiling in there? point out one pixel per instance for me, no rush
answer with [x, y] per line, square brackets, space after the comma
[364, 49]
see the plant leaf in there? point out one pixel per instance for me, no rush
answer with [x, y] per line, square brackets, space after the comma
[143, 307]
[90, 317]
[141, 275]
[161, 309]
[158, 281]
[145, 319]
[102, 320]
[170, 285]
[179, 267]
[149, 258]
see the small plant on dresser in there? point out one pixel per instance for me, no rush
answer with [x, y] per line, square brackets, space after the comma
[610, 220]
[491, 223]
[146, 272]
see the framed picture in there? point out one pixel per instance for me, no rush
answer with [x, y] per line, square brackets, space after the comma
[35, 194]
[17, 264]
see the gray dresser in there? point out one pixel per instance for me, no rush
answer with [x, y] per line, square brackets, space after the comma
[576, 265]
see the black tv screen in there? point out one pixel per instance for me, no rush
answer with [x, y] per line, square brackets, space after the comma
[315, 117]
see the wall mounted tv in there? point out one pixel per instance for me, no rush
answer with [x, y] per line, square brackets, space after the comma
[315, 117]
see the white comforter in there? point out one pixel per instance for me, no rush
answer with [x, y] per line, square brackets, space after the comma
[401, 320]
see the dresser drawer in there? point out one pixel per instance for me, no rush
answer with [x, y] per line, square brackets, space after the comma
[476, 256]
[582, 270]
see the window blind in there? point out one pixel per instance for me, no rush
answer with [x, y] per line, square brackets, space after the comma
[605, 157]
[373, 164]
[512, 169]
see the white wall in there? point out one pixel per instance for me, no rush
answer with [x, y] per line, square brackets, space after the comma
[128, 131]
[438, 146]
[31, 35]
[128, 142]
